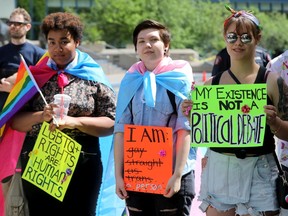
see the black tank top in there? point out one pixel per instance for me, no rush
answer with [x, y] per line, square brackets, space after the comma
[269, 142]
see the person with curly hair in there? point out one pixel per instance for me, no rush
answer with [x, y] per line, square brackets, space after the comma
[69, 71]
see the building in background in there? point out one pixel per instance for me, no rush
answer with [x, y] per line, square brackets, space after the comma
[6, 8]
[84, 5]
[55, 5]
[262, 5]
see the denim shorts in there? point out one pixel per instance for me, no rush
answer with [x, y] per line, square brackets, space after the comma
[152, 204]
[248, 185]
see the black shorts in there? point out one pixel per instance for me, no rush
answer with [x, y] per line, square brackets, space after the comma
[152, 204]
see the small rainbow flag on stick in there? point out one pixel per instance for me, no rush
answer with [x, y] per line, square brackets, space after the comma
[23, 90]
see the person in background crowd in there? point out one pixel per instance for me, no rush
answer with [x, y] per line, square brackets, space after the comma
[19, 24]
[279, 65]
[222, 60]
[4, 32]
[158, 74]
[254, 192]
[90, 116]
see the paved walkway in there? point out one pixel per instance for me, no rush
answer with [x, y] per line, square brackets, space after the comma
[195, 211]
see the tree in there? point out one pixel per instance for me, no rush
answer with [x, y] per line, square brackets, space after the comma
[275, 28]
[116, 19]
[36, 9]
[112, 21]
[194, 24]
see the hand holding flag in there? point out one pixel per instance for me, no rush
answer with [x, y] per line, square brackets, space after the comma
[23, 90]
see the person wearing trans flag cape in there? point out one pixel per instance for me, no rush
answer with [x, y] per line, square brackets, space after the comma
[91, 114]
[143, 99]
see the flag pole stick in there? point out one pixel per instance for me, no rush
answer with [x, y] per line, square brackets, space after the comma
[37, 87]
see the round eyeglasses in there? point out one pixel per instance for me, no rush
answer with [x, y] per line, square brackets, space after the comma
[232, 37]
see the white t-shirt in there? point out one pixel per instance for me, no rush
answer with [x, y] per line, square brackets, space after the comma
[280, 65]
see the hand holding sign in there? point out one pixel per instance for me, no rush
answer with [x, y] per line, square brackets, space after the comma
[52, 162]
[147, 153]
[228, 115]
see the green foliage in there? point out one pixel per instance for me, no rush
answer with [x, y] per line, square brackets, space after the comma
[36, 9]
[113, 21]
[274, 33]
[206, 27]
[194, 24]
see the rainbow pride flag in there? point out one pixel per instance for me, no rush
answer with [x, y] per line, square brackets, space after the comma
[24, 89]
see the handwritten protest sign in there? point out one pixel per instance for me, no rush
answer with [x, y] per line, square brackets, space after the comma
[228, 115]
[147, 158]
[52, 162]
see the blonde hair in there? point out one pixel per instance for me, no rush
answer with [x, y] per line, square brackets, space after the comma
[23, 12]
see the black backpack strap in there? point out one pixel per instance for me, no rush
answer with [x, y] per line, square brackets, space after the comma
[173, 103]
[216, 79]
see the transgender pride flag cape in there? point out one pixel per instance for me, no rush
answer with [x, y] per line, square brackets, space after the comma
[174, 75]
[11, 142]
[26, 87]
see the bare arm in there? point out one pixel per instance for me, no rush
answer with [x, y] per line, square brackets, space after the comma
[25, 120]
[6, 84]
[95, 126]
[182, 151]
[12, 78]
[277, 114]
[119, 165]
[187, 104]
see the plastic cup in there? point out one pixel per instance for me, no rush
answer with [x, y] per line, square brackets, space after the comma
[63, 102]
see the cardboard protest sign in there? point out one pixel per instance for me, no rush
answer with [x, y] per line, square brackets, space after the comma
[148, 155]
[52, 162]
[228, 115]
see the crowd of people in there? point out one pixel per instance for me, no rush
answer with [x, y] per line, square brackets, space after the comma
[155, 91]
[19, 25]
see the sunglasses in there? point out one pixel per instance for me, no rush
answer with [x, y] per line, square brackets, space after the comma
[10, 23]
[233, 37]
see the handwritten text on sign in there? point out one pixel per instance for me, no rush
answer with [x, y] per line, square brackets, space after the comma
[147, 158]
[52, 162]
[228, 115]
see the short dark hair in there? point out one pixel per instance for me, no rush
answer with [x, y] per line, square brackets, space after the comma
[148, 24]
[63, 20]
